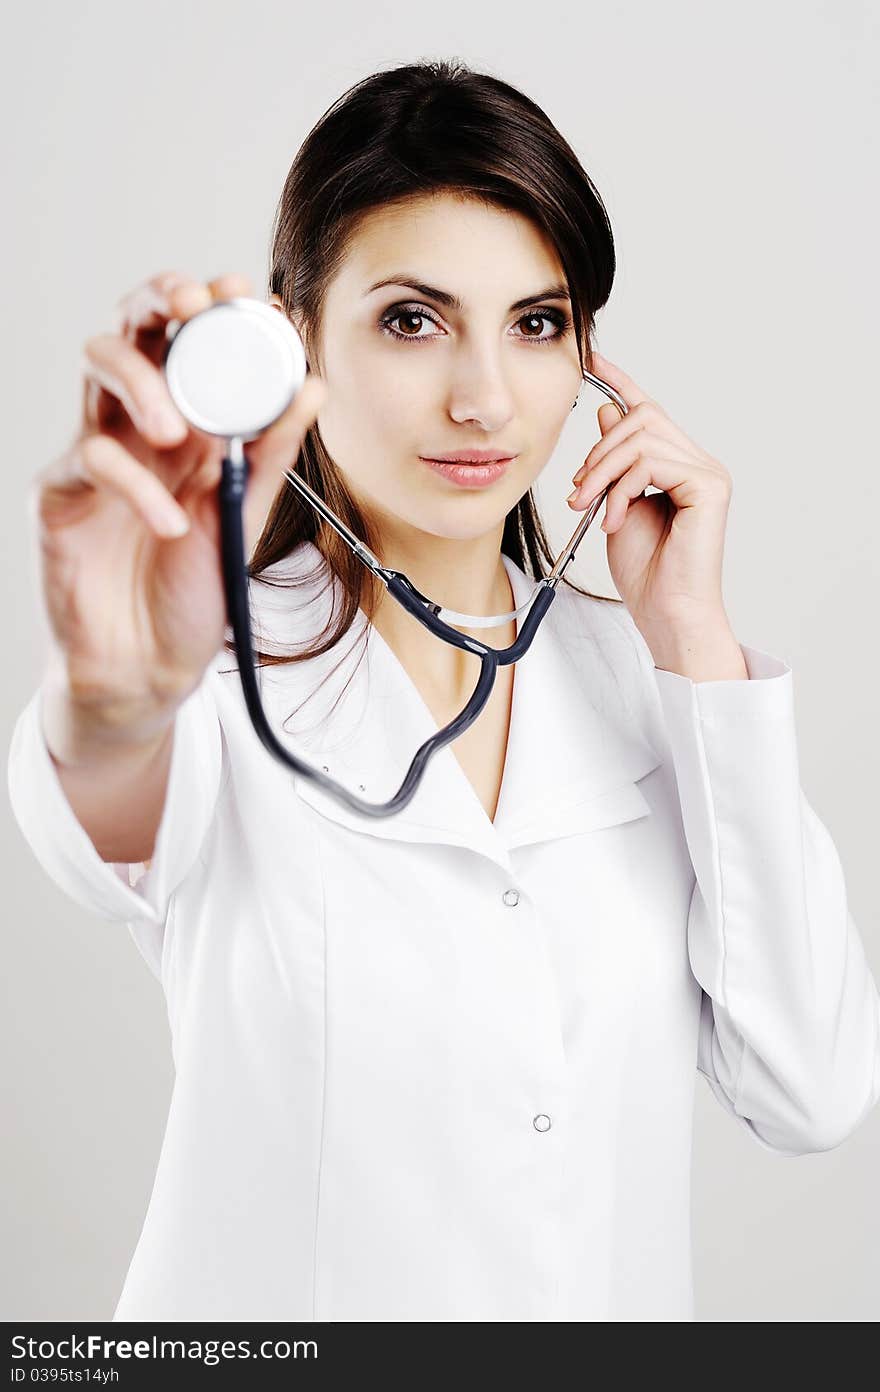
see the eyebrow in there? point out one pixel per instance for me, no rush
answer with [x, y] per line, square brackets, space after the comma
[449, 301]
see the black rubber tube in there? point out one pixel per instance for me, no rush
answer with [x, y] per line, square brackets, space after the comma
[233, 485]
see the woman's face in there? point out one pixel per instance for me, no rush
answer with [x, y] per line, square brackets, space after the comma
[411, 375]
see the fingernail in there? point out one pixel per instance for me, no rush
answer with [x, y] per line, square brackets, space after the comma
[572, 495]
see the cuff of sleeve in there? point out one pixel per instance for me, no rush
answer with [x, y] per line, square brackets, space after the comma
[62, 845]
[767, 695]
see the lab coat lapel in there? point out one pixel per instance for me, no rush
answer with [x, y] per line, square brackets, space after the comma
[569, 767]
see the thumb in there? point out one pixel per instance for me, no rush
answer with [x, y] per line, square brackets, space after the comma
[276, 450]
[607, 415]
[278, 447]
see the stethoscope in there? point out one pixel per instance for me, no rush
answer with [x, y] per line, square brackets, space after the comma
[233, 369]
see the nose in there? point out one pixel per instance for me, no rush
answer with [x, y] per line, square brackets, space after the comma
[479, 391]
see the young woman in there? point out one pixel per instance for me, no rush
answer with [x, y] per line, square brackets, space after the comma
[438, 1066]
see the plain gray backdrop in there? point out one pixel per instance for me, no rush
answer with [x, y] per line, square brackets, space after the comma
[735, 148]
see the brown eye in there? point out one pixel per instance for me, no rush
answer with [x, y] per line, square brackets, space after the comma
[537, 320]
[414, 317]
[407, 319]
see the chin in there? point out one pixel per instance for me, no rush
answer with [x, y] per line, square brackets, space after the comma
[471, 528]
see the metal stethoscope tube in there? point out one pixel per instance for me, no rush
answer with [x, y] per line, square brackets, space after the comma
[190, 390]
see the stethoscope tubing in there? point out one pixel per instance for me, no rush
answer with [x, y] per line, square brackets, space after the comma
[232, 489]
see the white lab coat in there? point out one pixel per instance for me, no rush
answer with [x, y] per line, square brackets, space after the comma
[439, 1068]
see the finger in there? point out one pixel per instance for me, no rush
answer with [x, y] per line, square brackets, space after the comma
[125, 373]
[633, 395]
[276, 451]
[229, 285]
[676, 477]
[147, 309]
[631, 486]
[171, 295]
[615, 376]
[277, 448]
[651, 423]
[101, 461]
[621, 459]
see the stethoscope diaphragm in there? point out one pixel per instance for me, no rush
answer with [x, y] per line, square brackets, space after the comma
[235, 367]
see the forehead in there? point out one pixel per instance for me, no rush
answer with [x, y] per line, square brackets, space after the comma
[456, 242]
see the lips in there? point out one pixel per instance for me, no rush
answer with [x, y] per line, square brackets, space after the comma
[475, 456]
[469, 475]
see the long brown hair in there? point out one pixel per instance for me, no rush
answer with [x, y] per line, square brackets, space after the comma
[400, 133]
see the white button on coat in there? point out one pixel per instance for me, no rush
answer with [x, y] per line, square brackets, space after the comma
[367, 1043]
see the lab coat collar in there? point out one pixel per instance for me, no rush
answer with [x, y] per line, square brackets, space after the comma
[570, 767]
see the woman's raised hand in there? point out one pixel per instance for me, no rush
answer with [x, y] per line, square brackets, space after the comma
[128, 518]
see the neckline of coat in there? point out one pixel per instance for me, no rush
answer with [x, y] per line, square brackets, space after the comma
[572, 764]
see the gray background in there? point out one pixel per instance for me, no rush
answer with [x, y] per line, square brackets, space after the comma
[736, 150]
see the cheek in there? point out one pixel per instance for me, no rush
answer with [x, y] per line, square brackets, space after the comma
[373, 392]
[544, 410]
[373, 431]
[551, 393]
[383, 432]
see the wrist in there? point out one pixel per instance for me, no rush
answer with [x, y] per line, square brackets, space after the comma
[705, 653]
[87, 730]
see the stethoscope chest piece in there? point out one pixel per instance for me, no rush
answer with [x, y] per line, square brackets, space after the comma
[234, 368]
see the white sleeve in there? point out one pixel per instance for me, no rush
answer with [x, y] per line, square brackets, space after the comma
[789, 1036]
[65, 850]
